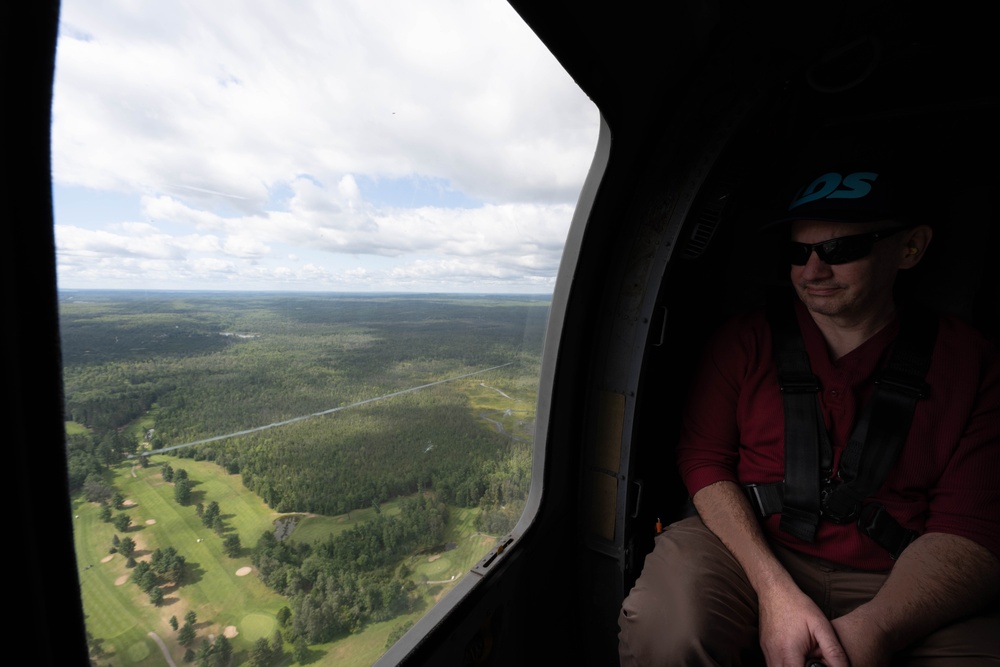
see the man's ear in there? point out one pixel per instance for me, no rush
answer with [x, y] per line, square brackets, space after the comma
[915, 245]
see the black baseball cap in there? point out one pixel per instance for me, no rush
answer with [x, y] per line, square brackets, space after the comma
[853, 192]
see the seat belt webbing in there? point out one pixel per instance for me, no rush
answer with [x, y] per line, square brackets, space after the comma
[805, 433]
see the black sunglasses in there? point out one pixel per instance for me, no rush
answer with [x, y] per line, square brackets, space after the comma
[840, 250]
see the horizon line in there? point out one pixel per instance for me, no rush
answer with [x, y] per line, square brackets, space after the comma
[298, 291]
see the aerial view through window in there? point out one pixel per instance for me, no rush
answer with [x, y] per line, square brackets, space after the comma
[305, 260]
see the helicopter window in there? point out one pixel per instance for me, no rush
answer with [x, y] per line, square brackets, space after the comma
[305, 260]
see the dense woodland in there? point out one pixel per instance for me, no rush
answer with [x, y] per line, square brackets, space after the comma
[195, 366]
[339, 585]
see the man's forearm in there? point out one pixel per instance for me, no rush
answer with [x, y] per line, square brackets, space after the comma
[726, 511]
[792, 627]
[938, 579]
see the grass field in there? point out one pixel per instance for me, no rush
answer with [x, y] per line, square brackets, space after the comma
[122, 617]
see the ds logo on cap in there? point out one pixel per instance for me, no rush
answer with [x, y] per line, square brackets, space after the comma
[834, 186]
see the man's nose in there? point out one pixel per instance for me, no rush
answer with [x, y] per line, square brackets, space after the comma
[815, 266]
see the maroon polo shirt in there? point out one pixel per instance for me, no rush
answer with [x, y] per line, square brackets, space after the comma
[947, 478]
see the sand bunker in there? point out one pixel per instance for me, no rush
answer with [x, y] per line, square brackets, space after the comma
[121, 580]
[107, 558]
[129, 503]
[230, 631]
[150, 522]
[243, 571]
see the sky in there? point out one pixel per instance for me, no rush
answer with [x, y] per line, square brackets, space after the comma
[315, 145]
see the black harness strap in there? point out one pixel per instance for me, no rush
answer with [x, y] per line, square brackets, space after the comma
[874, 445]
[885, 421]
[806, 439]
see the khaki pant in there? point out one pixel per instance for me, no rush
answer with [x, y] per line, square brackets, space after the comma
[693, 605]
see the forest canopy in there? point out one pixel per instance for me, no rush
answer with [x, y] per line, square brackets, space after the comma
[146, 371]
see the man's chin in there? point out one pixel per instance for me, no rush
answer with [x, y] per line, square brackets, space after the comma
[822, 305]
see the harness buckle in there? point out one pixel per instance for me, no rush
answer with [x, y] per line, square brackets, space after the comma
[765, 499]
[753, 495]
[876, 522]
[829, 509]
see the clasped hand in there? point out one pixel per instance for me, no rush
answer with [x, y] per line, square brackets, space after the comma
[794, 630]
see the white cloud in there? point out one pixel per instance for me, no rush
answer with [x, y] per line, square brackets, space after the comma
[245, 129]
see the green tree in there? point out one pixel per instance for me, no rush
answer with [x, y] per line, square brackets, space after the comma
[105, 513]
[122, 521]
[396, 633]
[191, 617]
[283, 615]
[204, 655]
[173, 623]
[106, 454]
[148, 581]
[95, 489]
[209, 515]
[95, 645]
[186, 634]
[300, 650]
[141, 568]
[126, 546]
[167, 562]
[223, 651]
[167, 472]
[231, 545]
[81, 461]
[260, 653]
[121, 445]
[277, 646]
[182, 490]
[156, 596]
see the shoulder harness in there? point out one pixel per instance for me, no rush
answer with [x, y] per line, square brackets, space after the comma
[808, 492]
